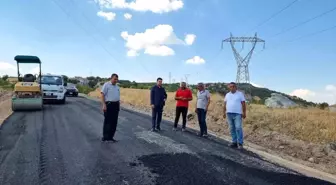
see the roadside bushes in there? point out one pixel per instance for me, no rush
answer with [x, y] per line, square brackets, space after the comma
[4, 84]
[84, 89]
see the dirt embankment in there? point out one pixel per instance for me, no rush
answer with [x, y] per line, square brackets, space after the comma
[5, 105]
[306, 136]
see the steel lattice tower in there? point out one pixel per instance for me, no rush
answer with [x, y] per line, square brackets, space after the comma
[243, 74]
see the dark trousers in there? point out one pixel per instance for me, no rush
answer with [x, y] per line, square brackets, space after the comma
[111, 119]
[184, 111]
[201, 114]
[156, 116]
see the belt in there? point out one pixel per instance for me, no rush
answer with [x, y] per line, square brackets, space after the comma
[108, 102]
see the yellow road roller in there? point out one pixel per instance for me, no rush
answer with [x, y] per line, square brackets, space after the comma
[27, 91]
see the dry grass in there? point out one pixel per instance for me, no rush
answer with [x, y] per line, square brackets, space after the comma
[311, 125]
[5, 105]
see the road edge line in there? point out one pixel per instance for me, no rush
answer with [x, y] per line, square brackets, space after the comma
[261, 151]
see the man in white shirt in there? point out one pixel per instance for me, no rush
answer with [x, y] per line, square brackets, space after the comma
[110, 99]
[234, 111]
[202, 105]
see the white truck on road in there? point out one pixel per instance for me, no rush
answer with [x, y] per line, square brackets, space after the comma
[53, 87]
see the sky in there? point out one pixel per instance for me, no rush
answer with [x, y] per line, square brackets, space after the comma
[144, 39]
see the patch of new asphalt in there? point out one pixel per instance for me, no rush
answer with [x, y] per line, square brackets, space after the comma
[61, 145]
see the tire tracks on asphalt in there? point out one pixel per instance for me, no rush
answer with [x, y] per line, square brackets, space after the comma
[51, 162]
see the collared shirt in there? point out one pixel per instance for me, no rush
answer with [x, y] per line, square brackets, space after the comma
[183, 93]
[111, 92]
[203, 99]
[234, 102]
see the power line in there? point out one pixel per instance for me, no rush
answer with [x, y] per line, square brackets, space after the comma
[270, 18]
[304, 36]
[305, 22]
[93, 25]
[275, 14]
[69, 16]
[314, 33]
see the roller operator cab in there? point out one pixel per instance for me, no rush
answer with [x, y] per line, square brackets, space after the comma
[27, 91]
[53, 88]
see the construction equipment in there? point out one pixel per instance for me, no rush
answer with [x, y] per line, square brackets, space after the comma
[27, 92]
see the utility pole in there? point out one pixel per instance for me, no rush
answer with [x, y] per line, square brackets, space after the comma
[186, 79]
[169, 77]
[243, 75]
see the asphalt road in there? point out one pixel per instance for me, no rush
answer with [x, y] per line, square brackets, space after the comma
[61, 145]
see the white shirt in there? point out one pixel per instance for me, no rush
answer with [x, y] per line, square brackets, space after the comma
[111, 92]
[234, 102]
[202, 99]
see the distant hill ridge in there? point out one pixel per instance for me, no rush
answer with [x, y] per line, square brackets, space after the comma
[260, 94]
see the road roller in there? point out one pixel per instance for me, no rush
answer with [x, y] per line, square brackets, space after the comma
[27, 91]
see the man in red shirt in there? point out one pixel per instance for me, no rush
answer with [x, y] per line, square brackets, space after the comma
[183, 96]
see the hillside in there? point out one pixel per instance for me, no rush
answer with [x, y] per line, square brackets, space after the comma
[221, 88]
[259, 94]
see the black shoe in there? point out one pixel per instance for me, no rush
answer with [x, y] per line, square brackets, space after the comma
[105, 140]
[153, 130]
[113, 140]
[158, 128]
[240, 146]
[233, 145]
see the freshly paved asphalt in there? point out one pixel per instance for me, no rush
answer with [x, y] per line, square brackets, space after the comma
[61, 145]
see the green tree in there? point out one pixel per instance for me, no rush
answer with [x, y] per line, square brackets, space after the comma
[73, 80]
[4, 77]
[92, 83]
[66, 78]
[323, 105]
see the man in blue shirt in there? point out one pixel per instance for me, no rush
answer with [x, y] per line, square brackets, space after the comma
[158, 97]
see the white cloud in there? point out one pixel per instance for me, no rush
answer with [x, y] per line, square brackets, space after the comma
[159, 51]
[257, 85]
[326, 95]
[189, 39]
[127, 16]
[331, 88]
[7, 69]
[155, 6]
[11, 70]
[302, 93]
[35, 71]
[110, 16]
[132, 53]
[195, 60]
[153, 41]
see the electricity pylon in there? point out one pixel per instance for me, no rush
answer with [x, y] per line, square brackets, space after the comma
[243, 75]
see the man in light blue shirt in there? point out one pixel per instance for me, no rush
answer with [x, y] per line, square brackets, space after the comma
[110, 99]
[234, 111]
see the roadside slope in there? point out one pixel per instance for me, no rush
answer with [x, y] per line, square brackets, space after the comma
[5, 105]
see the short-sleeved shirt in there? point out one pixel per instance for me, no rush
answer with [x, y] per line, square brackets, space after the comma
[203, 99]
[183, 93]
[111, 92]
[234, 102]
